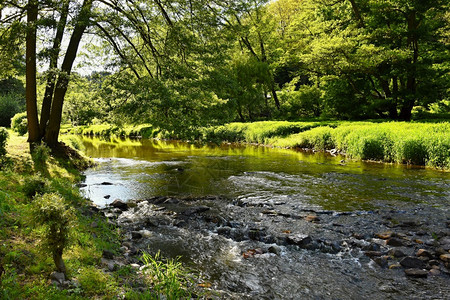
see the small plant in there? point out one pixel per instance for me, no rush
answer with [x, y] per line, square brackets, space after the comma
[50, 211]
[19, 123]
[34, 185]
[40, 155]
[3, 139]
[95, 282]
[169, 279]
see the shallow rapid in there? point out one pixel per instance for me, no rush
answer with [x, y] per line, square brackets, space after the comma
[262, 223]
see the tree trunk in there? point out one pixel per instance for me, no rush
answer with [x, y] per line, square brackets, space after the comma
[51, 77]
[59, 262]
[54, 124]
[32, 114]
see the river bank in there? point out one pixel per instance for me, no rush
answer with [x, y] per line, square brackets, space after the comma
[413, 143]
[27, 270]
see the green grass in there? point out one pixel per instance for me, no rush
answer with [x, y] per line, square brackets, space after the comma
[400, 142]
[27, 264]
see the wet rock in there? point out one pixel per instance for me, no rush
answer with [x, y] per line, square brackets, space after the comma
[412, 262]
[395, 266]
[445, 257]
[195, 210]
[382, 261]
[107, 254]
[424, 253]
[119, 204]
[397, 253]
[58, 277]
[372, 254]
[299, 239]
[312, 218]
[372, 247]
[434, 272]
[81, 185]
[416, 273]
[384, 235]
[106, 183]
[107, 196]
[434, 262]
[275, 250]
[135, 235]
[171, 201]
[445, 240]
[395, 242]
[314, 245]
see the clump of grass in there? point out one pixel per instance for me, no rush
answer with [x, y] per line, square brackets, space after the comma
[95, 282]
[167, 277]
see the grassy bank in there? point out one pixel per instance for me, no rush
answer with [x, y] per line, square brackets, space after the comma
[26, 263]
[418, 143]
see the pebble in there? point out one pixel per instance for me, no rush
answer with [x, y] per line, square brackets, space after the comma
[58, 277]
[396, 242]
[412, 262]
[417, 273]
[445, 257]
[424, 253]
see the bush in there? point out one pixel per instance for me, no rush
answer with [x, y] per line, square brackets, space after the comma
[51, 211]
[3, 139]
[9, 106]
[34, 185]
[40, 156]
[19, 123]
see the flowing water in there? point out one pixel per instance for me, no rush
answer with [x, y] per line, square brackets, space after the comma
[259, 202]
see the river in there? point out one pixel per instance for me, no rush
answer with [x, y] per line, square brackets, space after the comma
[263, 223]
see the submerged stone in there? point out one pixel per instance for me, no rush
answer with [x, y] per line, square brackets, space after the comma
[416, 273]
[412, 262]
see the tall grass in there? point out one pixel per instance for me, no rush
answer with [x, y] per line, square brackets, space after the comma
[411, 143]
[168, 278]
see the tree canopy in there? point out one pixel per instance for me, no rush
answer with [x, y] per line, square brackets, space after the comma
[181, 64]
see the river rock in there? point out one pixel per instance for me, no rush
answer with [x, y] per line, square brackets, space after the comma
[107, 254]
[275, 250]
[58, 277]
[416, 273]
[412, 262]
[372, 254]
[434, 272]
[312, 218]
[424, 253]
[396, 242]
[445, 257]
[382, 261]
[119, 204]
[384, 235]
[195, 210]
[106, 183]
[299, 239]
[135, 235]
[397, 253]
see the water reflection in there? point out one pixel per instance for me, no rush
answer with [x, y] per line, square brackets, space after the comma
[139, 169]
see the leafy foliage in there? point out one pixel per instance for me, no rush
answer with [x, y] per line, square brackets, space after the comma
[19, 123]
[3, 139]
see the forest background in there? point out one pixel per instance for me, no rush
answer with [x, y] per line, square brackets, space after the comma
[182, 65]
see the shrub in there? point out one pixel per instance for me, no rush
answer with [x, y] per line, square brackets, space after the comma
[9, 106]
[34, 185]
[40, 156]
[3, 139]
[19, 123]
[51, 211]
